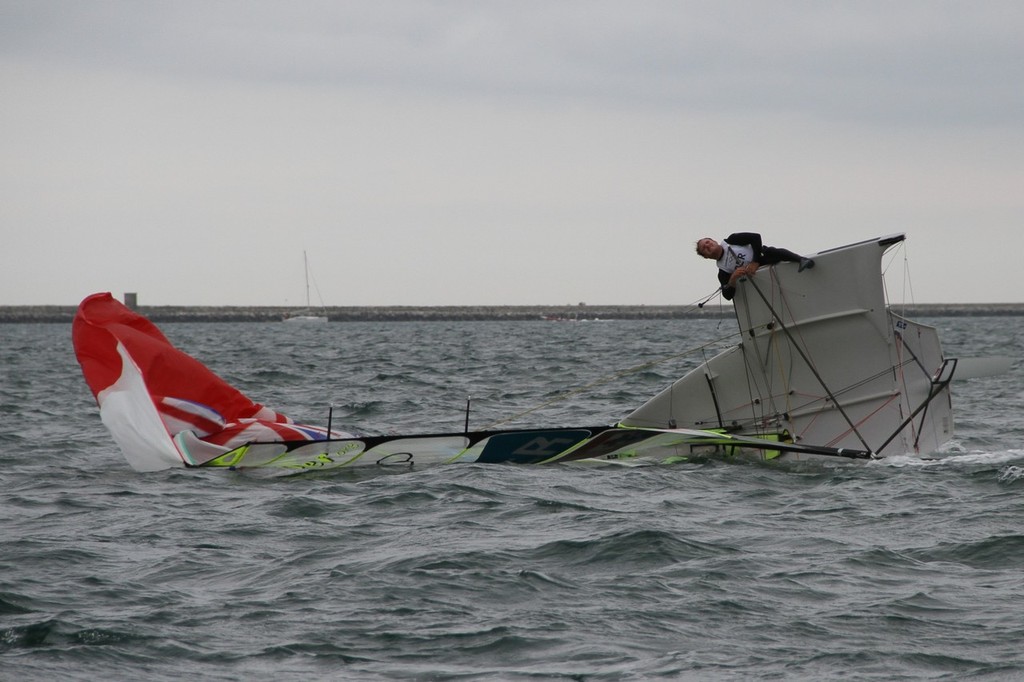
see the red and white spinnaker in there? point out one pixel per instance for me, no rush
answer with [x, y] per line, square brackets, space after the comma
[163, 407]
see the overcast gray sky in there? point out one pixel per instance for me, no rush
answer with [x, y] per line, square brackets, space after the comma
[485, 152]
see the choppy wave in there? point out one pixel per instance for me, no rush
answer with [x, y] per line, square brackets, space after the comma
[965, 459]
[900, 569]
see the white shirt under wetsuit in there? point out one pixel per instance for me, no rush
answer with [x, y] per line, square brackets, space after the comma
[744, 248]
[734, 257]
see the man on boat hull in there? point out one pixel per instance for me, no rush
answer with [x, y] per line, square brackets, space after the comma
[741, 254]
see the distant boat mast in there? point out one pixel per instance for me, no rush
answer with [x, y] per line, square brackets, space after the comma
[305, 266]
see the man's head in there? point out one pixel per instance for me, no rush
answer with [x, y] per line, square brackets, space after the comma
[709, 248]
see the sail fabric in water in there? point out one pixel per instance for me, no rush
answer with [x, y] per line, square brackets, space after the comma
[155, 399]
[822, 358]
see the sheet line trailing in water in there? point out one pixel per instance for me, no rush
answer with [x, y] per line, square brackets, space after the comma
[823, 369]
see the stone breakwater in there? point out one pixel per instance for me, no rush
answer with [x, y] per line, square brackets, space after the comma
[161, 314]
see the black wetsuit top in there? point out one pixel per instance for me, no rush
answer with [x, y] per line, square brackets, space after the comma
[763, 255]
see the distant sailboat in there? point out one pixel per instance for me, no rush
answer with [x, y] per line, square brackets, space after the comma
[306, 315]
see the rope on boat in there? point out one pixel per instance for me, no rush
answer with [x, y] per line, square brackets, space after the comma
[611, 377]
[810, 365]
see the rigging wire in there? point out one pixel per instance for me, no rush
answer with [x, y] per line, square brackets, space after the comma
[810, 365]
[316, 288]
[603, 380]
[618, 375]
[311, 279]
[906, 282]
[901, 347]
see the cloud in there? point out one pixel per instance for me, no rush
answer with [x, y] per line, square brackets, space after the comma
[495, 152]
[942, 63]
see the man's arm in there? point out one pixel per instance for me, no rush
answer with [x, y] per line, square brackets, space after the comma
[728, 290]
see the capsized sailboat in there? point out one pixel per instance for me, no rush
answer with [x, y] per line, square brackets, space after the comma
[823, 370]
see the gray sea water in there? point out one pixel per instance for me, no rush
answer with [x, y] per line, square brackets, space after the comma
[709, 570]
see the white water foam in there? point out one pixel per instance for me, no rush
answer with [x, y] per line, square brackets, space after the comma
[1011, 474]
[966, 459]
